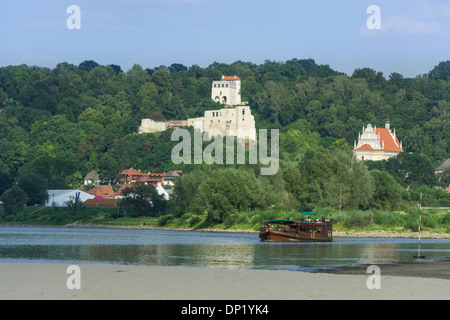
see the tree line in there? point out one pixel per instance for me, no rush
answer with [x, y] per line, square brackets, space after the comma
[63, 122]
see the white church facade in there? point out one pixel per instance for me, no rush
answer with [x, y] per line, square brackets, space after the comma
[233, 120]
[377, 143]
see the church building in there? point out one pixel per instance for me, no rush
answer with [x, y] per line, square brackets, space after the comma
[377, 143]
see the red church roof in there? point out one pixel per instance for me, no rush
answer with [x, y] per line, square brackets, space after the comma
[386, 139]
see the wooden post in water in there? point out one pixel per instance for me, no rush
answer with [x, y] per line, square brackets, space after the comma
[420, 219]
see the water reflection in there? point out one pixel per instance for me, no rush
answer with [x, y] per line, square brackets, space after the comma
[147, 247]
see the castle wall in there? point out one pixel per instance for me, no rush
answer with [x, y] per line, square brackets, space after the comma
[235, 121]
[150, 126]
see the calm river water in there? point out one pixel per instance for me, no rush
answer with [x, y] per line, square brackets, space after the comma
[211, 249]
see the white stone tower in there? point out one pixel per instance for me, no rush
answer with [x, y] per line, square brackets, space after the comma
[227, 91]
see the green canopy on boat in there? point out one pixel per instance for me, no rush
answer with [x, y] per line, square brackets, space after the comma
[279, 221]
[308, 213]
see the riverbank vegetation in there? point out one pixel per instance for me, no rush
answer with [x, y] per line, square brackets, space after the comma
[396, 223]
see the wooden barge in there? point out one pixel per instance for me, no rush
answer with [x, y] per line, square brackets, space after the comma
[296, 231]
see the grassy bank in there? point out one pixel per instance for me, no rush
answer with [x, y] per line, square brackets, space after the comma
[437, 221]
[345, 222]
[55, 216]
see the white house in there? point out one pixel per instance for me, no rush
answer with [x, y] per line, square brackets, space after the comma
[92, 178]
[59, 198]
[377, 143]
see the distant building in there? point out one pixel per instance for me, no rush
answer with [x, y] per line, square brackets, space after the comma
[105, 192]
[92, 178]
[227, 91]
[377, 143]
[442, 167]
[159, 188]
[170, 176]
[234, 120]
[237, 122]
[59, 198]
[133, 175]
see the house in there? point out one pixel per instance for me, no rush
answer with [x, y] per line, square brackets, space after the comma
[448, 189]
[159, 188]
[442, 167]
[377, 143]
[153, 178]
[133, 175]
[92, 178]
[119, 193]
[106, 192]
[170, 176]
[161, 191]
[59, 198]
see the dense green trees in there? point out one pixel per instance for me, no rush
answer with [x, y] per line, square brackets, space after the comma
[13, 200]
[61, 123]
[35, 186]
[142, 200]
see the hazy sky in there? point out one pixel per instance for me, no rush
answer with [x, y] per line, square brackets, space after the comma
[414, 34]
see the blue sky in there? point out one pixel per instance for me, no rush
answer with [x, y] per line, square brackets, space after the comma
[414, 34]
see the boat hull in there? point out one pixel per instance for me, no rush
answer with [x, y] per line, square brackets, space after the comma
[274, 236]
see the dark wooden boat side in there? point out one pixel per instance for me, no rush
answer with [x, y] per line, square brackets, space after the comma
[296, 231]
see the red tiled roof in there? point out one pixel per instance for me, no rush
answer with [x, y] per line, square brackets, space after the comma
[365, 147]
[119, 193]
[231, 78]
[386, 139]
[447, 190]
[389, 143]
[131, 172]
[104, 191]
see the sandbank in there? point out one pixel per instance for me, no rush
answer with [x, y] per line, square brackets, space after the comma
[47, 281]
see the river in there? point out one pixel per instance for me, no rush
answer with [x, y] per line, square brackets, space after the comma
[206, 249]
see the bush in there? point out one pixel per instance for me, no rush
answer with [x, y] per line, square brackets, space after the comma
[195, 220]
[384, 218]
[353, 218]
[163, 220]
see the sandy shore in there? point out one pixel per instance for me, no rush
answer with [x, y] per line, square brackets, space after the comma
[107, 281]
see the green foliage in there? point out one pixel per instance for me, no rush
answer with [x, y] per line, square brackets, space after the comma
[13, 199]
[35, 186]
[387, 193]
[229, 190]
[142, 200]
[63, 122]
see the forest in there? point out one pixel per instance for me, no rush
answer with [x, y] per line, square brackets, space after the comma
[61, 123]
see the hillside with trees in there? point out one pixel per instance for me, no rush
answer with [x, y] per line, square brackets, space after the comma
[59, 124]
